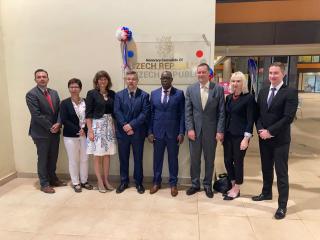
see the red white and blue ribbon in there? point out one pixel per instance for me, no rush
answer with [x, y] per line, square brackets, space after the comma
[124, 35]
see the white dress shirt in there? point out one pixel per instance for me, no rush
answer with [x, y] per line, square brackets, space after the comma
[163, 93]
[204, 92]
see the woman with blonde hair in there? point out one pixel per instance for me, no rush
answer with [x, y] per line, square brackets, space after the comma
[240, 115]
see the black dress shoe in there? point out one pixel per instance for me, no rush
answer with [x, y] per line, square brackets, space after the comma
[208, 191]
[122, 187]
[280, 213]
[192, 190]
[140, 189]
[228, 198]
[261, 197]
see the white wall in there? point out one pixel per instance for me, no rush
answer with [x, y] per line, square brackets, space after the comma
[7, 166]
[76, 38]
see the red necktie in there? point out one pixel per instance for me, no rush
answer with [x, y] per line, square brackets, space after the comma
[48, 97]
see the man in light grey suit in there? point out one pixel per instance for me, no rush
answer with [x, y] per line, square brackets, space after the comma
[44, 105]
[205, 116]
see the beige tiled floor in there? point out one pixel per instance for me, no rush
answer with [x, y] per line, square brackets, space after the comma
[28, 214]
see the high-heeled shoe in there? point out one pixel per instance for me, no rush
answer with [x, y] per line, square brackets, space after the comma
[229, 198]
[102, 188]
[109, 187]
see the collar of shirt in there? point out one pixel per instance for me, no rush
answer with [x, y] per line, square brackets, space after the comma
[205, 86]
[168, 91]
[277, 87]
[80, 101]
[42, 89]
[134, 91]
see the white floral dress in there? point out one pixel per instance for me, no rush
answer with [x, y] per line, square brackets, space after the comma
[104, 137]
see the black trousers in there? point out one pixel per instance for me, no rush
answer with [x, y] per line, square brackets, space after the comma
[274, 155]
[233, 157]
[47, 150]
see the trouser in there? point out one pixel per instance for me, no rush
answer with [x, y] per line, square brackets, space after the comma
[124, 155]
[47, 151]
[159, 146]
[78, 159]
[207, 144]
[233, 157]
[274, 155]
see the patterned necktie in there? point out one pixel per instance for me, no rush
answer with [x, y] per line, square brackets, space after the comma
[48, 97]
[165, 97]
[271, 97]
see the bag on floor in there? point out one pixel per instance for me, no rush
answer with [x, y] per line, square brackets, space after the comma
[222, 184]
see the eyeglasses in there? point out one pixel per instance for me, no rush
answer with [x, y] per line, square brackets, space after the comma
[74, 87]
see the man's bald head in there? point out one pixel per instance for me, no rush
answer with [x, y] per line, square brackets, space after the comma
[166, 80]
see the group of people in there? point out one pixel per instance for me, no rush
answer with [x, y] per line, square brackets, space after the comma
[107, 122]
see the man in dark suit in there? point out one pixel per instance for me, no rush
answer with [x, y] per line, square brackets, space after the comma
[205, 116]
[132, 110]
[166, 129]
[43, 104]
[277, 106]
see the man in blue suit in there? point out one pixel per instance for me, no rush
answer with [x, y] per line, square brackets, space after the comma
[132, 110]
[166, 129]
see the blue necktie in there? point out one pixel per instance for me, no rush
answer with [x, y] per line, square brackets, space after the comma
[165, 97]
[271, 97]
[131, 100]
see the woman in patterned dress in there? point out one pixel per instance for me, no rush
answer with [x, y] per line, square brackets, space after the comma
[101, 133]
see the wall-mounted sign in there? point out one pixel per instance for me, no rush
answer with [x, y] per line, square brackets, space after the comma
[150, 59]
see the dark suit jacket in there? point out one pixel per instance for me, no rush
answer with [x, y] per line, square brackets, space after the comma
[210, 119]
[279, 116]
[137, 116]
[69, 119]
[167, 119]
[42, 116]
[240, 115]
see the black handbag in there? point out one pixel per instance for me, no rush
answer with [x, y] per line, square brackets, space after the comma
[223, 184]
